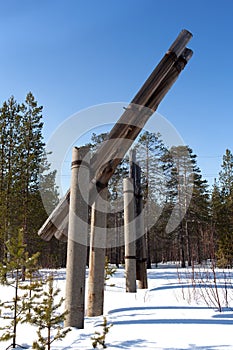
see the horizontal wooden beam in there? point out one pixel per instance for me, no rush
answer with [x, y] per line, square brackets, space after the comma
[125, 131]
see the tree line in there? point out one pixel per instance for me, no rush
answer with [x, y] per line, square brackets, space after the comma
[185, 219]
[175, 193]
[24, 174]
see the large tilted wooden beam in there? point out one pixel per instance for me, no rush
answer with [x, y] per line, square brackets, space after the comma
[125, 131]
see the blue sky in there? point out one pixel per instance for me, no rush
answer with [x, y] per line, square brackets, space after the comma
[74, 54]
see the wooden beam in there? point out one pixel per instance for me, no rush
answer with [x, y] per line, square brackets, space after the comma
[77, 242]
[135, 174]
[95, 304]
[125, 131]
[130, 235]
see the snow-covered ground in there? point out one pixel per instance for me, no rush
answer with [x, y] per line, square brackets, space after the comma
[169, 315]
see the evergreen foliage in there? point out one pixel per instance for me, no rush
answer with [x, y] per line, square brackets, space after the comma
[11, 275]
[24, 175]
[149, 156]
[222, 212]
[109, 270]
[100, 338]
[172, 185]
[46, 316]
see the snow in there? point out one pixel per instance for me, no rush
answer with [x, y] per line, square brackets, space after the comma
[170, 315]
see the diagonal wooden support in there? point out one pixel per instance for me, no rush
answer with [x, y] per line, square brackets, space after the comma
[125, 131]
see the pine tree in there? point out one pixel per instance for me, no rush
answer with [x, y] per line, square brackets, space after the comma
[45, 315]
[11, 275]
[150, 151]
[185, 172]
[164, 243]
[33, 168]
[224, 226]
[226, 174]
[218, 224]
[22, 165]
[9, 122]
[197, 217]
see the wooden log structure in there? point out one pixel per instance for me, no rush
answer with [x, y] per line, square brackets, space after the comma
[130, 235]
[141, 258]
[95, 305]
[77, 242]
[124, 132]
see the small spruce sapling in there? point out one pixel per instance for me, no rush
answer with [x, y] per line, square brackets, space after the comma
[100, 339]
[11, 275]
[45, 315]
[109, 270]
[34, 288]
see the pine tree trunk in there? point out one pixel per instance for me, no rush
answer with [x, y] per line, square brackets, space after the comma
[189, 254]
[49, 338]
[15, 310]
[182, 246]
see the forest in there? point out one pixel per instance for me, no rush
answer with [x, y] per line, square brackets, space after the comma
[186, 220]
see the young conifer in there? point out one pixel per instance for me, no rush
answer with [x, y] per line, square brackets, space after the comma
[100, 338]
[109, 270]
[47, 317]
[14, 310]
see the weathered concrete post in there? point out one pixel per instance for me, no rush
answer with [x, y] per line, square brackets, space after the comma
[77, 239]
[97, 255]
[130, 235]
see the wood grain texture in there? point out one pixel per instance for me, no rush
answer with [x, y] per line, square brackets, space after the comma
[125, 131]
